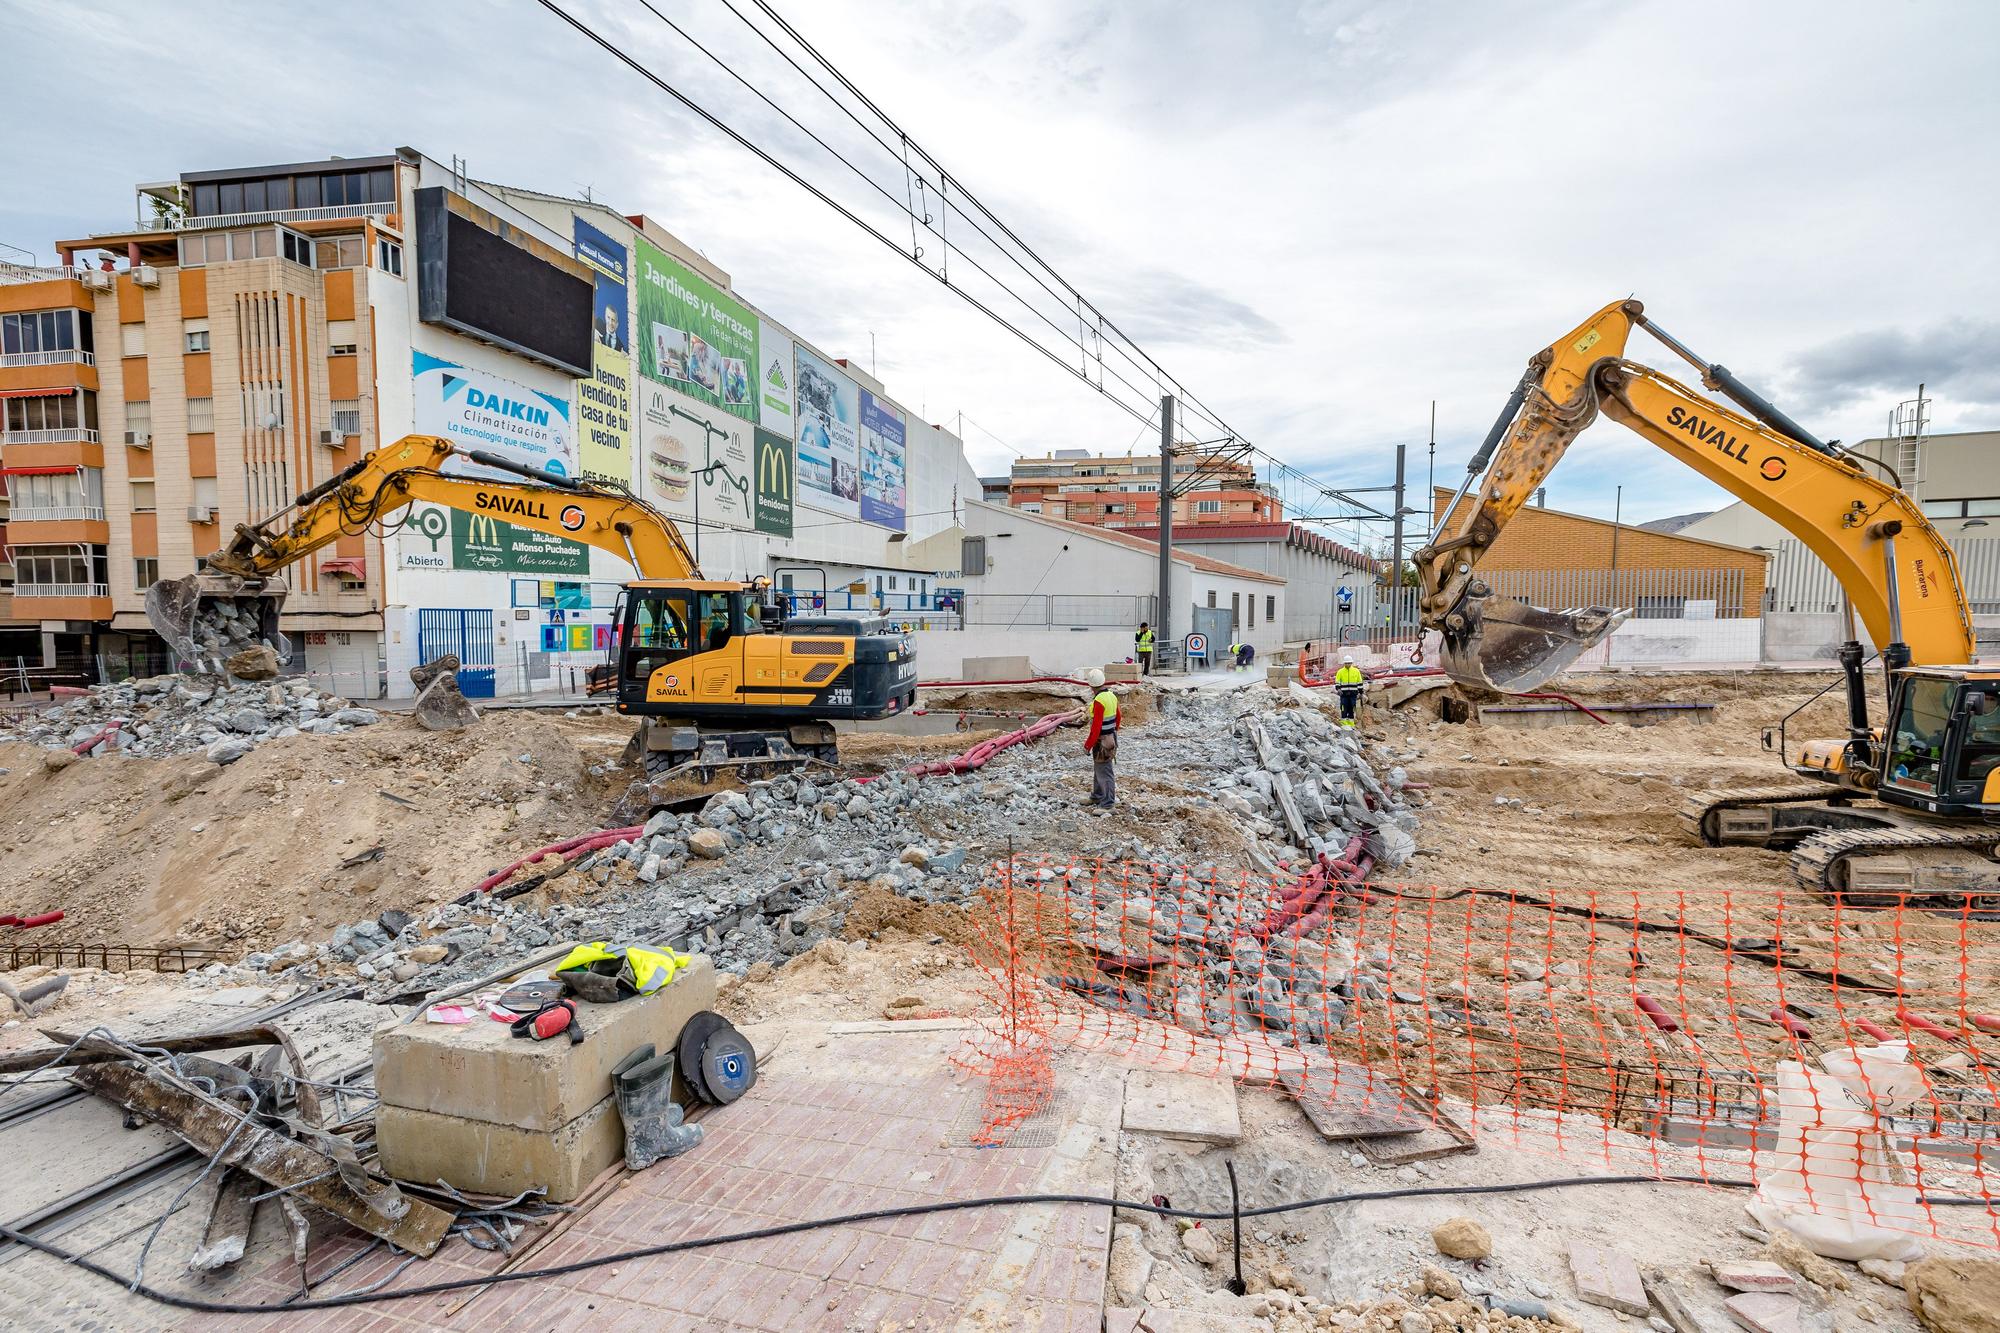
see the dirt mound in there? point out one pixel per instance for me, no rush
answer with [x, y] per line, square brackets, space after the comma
[300, 834]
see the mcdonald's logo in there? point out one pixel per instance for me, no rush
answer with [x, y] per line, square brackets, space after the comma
[482, 530]
[774, 469]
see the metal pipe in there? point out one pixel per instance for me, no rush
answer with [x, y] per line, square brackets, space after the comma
[1895, 594]
[1719, 378]
[1494, 435]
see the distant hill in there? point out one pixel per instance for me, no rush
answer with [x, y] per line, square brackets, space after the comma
[1676, 523]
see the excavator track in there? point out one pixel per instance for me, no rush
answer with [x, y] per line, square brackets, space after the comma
[1696, 809]
[1816, 862]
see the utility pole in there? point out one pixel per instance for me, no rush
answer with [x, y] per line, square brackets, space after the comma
[1431, 484]
[1164, 609]
[1396, 551]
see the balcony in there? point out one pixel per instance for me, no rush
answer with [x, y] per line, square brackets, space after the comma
[67, 356]
[219, 221]
[56, 514]
[60, 435]
[28, 590]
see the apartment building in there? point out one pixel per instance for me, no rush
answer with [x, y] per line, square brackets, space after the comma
[1123, 491]
[257, 330]
[175, 378]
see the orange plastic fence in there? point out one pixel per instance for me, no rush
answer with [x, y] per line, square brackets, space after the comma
[1844, 1057]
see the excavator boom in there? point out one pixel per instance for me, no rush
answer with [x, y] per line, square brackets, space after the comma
[234, 602]
[1899, 573]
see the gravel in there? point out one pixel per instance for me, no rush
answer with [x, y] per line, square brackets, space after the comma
[170, 715]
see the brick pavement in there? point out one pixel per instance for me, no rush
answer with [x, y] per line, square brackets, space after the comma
[837, 1123]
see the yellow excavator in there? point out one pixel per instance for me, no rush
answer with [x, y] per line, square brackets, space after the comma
[716, 672]
[1908, 807]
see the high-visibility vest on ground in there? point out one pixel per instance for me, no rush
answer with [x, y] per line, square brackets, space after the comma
[1348, 676]
[1109, 703]
[1145, 641]
[647, 969]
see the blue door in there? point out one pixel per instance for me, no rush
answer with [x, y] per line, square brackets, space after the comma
[468, 635]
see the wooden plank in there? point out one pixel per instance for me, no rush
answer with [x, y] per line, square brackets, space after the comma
[313, 1177]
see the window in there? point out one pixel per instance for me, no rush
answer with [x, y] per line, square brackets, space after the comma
[145, 572]
[307, 190]
[142, 497]
[389, 257]
[346, 416]
[133, 338]
[33, 331]
[971, 556]
[204, 496]
[264, 243]
[1270, 609]
[64, 412]
[340, 337]
[138, 423]
[1982, 508]
[253, 196]
[1235, 609]
[232, 197]
[58, 571]
[1253, 610]
[892, 583]
[1211, 598]
[1208, 506]
[346, 252]
[205, 204]
[194, 334]
[1918, 742]
[57, 495]
[201, 416]
[297, 248]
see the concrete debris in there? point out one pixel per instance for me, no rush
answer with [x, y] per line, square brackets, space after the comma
[1756, 1275]
[173, 715]
[1955, 1294]
[258, 663]
[1608, 1278]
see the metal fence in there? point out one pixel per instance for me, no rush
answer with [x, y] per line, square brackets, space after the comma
[1649, 594]
[1799, 581]
[987, 610]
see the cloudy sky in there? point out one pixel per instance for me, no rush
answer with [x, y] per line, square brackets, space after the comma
[1318, 216]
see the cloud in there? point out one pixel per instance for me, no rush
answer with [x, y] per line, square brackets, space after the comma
[1958, 358]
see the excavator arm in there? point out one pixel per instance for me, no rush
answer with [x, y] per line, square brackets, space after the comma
[1900, 575]
[235, 599]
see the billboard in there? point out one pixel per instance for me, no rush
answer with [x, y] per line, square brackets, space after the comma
[480, 275]
[884, 436]
[438, 538]
[828, 412]
[475, 410]
[604, 399]
[693, 336]
[775, 465]
[686, 444]
[774, 379]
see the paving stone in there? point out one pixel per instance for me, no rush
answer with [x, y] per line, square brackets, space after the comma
[1757, 1275]
[1608, 1278]
[1764, 1311]
[1181, 1106]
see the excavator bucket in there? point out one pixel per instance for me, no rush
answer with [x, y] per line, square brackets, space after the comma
[1508, 647]
[206, 618]
[440, 704]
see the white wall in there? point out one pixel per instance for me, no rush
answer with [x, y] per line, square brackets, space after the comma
[942, 654]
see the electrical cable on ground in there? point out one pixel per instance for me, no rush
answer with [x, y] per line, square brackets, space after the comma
[199, 1305]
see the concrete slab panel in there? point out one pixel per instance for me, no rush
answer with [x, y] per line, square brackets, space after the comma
[500, 1159]
[1181, 1106]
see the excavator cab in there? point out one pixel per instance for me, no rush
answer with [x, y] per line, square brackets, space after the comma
[1941, 746]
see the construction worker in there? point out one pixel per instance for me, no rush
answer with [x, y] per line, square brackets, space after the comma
[1348, 683]
[1143, 642]
[1102, 742]
[1245, 654]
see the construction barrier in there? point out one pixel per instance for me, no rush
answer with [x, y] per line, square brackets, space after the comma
[1845, 1059]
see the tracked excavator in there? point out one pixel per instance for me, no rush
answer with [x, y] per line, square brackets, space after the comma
[717, 674]
[1905, 808]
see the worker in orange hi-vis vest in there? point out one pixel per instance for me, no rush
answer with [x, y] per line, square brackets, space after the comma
[1102, 742]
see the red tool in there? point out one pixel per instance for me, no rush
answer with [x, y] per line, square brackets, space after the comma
[551, 1020]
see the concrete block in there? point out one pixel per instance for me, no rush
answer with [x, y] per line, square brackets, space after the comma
[1278, 675]
[1607, 1278]
[1756, 1275]
[500, 1159]
[1121, 673]
[477, 1071]
[1181, 1106]
[996, 668]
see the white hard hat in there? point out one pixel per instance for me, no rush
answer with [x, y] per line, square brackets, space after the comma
[1094, 676]
[1347, 658]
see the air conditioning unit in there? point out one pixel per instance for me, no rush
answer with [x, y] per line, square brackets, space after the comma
[146, 276]
[200, 514]
[98, 280]
[329, 438]
[139, 439]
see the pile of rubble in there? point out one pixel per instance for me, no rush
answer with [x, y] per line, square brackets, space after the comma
[170, 715]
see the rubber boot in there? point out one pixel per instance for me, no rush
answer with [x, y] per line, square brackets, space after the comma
[653, 1122]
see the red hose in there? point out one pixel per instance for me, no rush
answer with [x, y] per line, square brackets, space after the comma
[110, 728]
[1599, 718]
[568, 849]
[45, 919]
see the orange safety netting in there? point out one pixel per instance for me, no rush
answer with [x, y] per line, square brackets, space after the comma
[1845, 1058]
